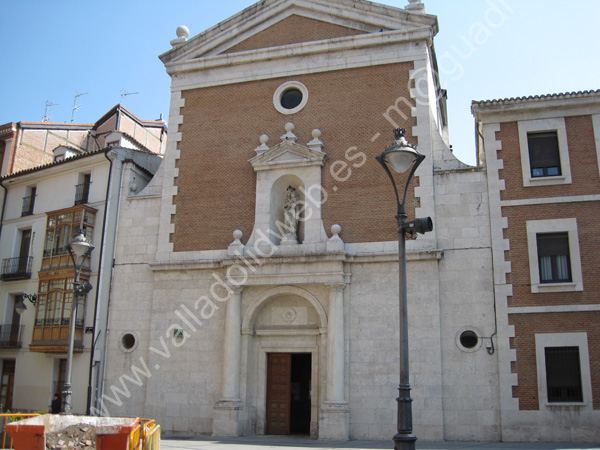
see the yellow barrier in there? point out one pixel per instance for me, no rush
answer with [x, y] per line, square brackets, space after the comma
[7, 418]
[152, 440]
[135, 438]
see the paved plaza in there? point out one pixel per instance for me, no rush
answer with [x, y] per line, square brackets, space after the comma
[170, 442]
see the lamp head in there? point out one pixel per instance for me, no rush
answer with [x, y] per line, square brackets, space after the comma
[20, 307]
[400, 155]
[80, 246]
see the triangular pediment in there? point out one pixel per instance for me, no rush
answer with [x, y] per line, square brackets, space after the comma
[304, 29]
[279, 23]
[287, 154]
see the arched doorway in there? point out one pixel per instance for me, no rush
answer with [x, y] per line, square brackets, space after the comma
[284, 332]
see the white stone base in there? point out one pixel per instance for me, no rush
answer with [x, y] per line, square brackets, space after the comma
[227, 418]
[289, 239]
[334, 421]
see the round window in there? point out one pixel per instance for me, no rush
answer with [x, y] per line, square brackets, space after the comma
[128, 342]
[290, 97]
[468, 339]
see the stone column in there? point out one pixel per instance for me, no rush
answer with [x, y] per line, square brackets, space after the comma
[227, 420]
[335, 348]
[334, 413]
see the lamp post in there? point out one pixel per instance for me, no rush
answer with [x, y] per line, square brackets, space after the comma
[79, 249]
[400, 156]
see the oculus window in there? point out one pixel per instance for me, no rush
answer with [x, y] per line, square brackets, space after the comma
[290, 97]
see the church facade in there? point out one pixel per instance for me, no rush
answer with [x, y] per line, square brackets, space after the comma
[256, 287]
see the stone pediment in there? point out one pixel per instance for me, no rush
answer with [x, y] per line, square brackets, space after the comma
[287, 154]
[324, 20]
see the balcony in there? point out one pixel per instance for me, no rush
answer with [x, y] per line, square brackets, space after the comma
[18, 268]
[28, 202]
[10, 336]
[82, 192]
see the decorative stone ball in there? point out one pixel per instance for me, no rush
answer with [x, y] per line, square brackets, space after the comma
[264, 139]
[316, 133]
[182, 31]
[336, 229]
[289, 127]
[237, 235]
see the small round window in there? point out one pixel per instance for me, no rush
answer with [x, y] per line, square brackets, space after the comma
[128, 342]
[468, 339]
[290, 97]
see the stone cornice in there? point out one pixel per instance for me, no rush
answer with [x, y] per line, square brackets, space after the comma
[362, 258]
[301, 49]
[522, 108]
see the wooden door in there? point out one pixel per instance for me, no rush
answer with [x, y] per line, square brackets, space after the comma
[279, 369]
[24, 251]
[7, 384]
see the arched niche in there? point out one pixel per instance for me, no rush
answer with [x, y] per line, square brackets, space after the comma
[278, 196]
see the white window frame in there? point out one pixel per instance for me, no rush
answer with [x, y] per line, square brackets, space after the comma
[282, 89]
[535, 227]
[540, 125]
[580, 340]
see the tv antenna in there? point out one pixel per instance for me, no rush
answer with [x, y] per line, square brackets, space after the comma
[124, 94]
[49, 105]
[75, 105]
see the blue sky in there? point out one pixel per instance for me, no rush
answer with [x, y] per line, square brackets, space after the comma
[486, 49]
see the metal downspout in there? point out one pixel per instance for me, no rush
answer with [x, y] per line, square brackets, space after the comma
[95, 336]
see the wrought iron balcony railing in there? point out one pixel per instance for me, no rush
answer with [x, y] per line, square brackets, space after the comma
[10, 335]
[82, 192]
[18, 268]
[28, 203]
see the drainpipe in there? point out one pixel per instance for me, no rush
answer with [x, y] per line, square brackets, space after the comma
[3, 206]
[96, 333]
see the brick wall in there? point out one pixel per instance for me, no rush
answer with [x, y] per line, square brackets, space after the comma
[589, 242]
[35, 146]
[292, 30]
[221, 127]
[585, 181]
[582, 157]
[527, 326]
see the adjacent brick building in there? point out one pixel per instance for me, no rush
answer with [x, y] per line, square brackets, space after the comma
[25, 145]
[542, 156]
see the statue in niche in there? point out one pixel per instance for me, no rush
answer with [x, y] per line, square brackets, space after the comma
[290, 217]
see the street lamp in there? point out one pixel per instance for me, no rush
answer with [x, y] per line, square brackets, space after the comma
[20, 306]
[400, 156]
[79, 249]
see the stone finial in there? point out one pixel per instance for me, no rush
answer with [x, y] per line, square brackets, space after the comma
[335, 243]
[316, 143]
[289, 135]
[183, 33]
[236, 247]
[263, 144]
[415, 6]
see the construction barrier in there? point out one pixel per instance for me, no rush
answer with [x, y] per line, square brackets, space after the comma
[152, 439]
[8, 418]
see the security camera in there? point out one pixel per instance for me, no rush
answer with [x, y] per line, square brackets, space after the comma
[422, 225]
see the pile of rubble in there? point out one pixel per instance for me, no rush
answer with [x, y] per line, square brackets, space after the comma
[73, 437]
